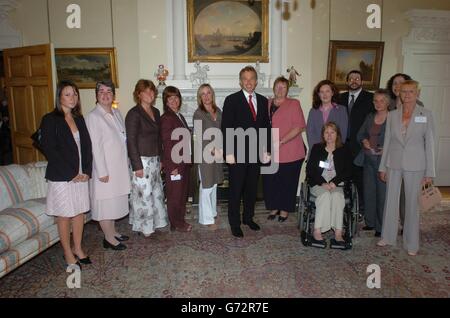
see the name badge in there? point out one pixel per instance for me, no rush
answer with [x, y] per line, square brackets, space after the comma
[175, 178]
[420, 119]
[324, 164]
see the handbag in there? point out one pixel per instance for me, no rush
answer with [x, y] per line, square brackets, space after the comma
[36, 137]
[429, 197]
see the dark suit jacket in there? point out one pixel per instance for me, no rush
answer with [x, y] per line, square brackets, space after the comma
[363, 106]
[61, 150]
[342, 165]
[237, 114]
[169, 122]
[143, 136]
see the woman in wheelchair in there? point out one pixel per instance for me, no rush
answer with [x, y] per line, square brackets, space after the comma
[328, 167]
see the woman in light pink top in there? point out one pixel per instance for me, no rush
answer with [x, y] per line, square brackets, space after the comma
[286, 116]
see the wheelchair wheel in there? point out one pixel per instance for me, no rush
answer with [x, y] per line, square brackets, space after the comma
[355, 211]
[301, 205]
[305, 227]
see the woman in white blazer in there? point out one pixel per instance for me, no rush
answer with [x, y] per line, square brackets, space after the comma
[110, 183]
[409, 155]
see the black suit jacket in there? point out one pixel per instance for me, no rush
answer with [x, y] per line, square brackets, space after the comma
[362, 107]
[60, 148]
[236, 113]
[342, 165]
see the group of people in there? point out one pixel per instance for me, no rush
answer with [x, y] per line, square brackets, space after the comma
[112, 166]
[384, 143]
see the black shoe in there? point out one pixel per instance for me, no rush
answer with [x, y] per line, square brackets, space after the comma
[122, 238]
[117, 247]
[377, 234]
[318, 243]
[340, 245]
[236, 231]
[252, 225]
[368, 228]
[84, 261]
[282, 218]
[71, 267]
[273, 216]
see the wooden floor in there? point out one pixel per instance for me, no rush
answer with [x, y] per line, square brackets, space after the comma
[445, 191]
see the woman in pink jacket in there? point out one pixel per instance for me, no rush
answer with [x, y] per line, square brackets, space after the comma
[110, 183]
[280, 188]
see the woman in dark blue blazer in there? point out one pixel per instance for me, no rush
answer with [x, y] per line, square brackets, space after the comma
[66, 144]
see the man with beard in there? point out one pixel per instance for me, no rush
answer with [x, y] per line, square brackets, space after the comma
[359, 103]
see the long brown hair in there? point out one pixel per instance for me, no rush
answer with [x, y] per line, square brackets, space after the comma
[199, 98]
[76, 111]
[335, 127]
[317, 102]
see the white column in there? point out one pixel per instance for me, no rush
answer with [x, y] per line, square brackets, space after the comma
[9, 36]
[276, 43]
[179, 32]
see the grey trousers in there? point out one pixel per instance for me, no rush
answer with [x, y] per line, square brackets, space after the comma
[412, 184]
[402, 204]
[374, 193]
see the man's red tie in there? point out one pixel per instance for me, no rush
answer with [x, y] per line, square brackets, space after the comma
[252, 107]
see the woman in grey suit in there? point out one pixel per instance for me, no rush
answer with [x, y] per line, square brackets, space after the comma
[409, 155]
[371, 136]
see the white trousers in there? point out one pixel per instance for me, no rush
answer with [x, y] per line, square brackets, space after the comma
[207, 205]
[329, 208]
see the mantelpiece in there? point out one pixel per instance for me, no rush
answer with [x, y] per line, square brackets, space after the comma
[189, 96]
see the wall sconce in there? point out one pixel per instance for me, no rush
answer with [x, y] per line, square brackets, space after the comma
[286, 4]
[115, 104]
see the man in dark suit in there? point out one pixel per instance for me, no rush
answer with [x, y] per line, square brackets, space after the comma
[359, 103]
[248, 111]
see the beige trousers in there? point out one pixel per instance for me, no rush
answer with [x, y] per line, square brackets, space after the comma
[329, 208]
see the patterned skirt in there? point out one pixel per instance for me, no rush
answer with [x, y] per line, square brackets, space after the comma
[147, 208]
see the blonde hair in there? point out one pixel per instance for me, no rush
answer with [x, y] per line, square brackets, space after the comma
[411, 83]
[199, 97]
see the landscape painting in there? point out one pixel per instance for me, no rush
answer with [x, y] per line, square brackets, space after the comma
[345, 56]
[227, 31]
[86, 66]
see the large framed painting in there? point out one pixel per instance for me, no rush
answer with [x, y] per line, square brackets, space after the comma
[364, 56]
[86, 66]
[228, 31]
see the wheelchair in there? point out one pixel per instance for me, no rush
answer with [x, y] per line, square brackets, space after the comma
[307, 209]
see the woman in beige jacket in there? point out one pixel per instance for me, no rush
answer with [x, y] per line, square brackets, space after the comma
[110, 183]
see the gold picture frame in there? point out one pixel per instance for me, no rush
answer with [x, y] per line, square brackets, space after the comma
[228, 31]
[365, 56]
[86, 66]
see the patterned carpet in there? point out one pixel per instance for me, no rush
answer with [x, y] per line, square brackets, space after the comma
[268, 263]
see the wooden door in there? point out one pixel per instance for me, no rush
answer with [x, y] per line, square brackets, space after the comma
[29, 84]
[433, 73]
